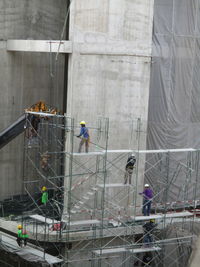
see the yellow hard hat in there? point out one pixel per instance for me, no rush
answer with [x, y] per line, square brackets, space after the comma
[44, 188]
[19, 226]
[82, 122]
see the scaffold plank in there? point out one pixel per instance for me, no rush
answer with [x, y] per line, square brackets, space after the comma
[179, 214]
[136, 151]
[89, 153]
[43, 219]
[84, 222]
[28, 252]
[122, 250]
[110, 251]
[144, 249]
[163, 216]
[120, 151]
[153, 151]
[114, 185]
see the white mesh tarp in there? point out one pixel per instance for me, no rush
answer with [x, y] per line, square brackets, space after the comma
[174, 102]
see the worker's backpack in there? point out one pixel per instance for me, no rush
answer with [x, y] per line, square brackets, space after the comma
[24, 232]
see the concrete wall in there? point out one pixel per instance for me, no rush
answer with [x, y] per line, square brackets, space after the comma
[25, 77]
[109, 68]
[195, 256]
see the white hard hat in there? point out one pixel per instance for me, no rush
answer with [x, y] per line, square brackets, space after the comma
[146, 185]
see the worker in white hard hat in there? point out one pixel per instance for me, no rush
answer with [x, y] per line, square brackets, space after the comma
[147, 199]
[85, 137]
[129, 169]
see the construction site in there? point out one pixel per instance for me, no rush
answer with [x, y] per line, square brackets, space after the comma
[99, 133]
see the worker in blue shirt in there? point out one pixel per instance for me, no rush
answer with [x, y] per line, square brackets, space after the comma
[84, 134]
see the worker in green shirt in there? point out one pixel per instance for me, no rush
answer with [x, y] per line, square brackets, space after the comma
[19, 235]
[22, 236]
[44, 195]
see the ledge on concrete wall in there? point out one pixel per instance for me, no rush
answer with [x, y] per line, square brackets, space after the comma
[47, 46]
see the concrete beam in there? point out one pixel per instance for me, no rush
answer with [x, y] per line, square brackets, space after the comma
[54, 46]
[115, 48]
[45, 46]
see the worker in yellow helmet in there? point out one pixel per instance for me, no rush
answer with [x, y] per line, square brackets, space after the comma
[44, 195]
[19, 235]
[84, 134]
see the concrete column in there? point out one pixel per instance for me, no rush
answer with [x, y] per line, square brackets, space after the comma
[109, 68]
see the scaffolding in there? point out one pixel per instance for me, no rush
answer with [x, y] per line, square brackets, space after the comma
[92, 217]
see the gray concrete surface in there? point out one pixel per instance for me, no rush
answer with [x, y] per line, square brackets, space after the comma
[110, 82]
[195, 257]
[109, 71]
[25, 77]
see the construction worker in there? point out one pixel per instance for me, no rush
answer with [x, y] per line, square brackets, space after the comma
[33, 130]
[84, 134]
[35, 125]
[147, 199]
[44, 195]
[44, 161]
[149, 227]
[24, 236]
[19, 235]
[147, 259]
[129, 169]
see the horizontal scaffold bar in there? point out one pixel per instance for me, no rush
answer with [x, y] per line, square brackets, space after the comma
[153, 151]
[43, 219]
[163, 216]
[122, 250]
[88, 154]
[44, 114]
[49, 221]
[84, 222]
[102, 152]
[114, 185]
